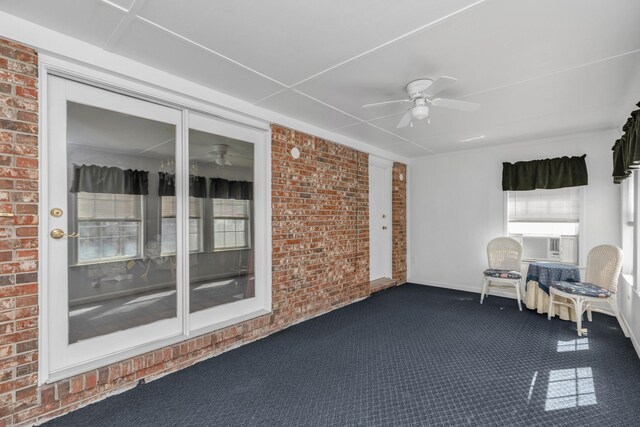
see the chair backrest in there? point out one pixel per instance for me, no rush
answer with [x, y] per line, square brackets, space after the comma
[504, 253]
[604, 264]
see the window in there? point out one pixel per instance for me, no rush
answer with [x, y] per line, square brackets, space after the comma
[230, 224]
[168, 210]
[110, 227]
[546, 222]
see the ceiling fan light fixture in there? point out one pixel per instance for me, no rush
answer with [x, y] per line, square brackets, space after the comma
[420, 112]
[222, 161]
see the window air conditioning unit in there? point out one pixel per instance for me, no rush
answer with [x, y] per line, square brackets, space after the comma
[549, 248]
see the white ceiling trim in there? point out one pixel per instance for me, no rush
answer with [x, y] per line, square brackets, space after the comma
[57, 44]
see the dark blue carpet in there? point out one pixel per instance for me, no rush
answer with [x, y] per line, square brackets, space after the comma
[412, 355]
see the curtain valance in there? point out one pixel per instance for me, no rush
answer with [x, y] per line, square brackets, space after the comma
[626, 150]
[559, 172]
[224, 189]
[167, 185]
[109, 179]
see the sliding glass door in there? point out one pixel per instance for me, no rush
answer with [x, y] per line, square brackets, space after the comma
[222, 262]
[111, 285]
[152, 225]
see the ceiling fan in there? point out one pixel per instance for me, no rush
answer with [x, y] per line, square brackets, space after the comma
[421, 94]
[219, 155]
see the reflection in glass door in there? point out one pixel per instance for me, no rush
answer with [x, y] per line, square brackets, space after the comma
[120, 276]
[151, 233]
[111, 246]
[220, 220]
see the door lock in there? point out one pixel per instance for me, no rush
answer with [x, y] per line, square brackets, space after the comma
[57, 233]
[56, 212]
[384, 227]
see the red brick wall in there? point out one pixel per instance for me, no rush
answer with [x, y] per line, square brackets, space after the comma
[18, 228]
[399, 222]
[320, 253]
[320, 225]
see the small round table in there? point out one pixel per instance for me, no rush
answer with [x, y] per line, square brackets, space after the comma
[539, 276]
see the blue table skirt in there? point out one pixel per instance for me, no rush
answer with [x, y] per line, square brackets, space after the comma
[547, 272]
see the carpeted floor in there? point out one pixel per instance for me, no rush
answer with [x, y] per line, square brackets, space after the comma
[412, 355]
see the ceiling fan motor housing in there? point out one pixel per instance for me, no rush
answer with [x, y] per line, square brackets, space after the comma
[416, 87]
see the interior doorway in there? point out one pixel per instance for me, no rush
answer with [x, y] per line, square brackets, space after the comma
[380, 225]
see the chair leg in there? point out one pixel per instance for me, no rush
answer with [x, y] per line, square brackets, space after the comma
[578, 305]
[550, 312]
[614, 306]
[518, 295]
[484, 288]
[589, 315]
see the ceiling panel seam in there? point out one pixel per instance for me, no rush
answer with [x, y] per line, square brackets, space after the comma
[269, 96]
[390, 42]
[554, 73]
[124, 23]
[206, 49]
[328, 105]
[115, 6]
[398, 136]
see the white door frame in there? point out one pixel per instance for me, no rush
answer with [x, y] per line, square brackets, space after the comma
[56, 66]
[62, 355]
[386, 192]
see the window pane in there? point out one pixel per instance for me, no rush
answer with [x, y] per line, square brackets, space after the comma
[168, 236]
[110, 247]
[88, 248]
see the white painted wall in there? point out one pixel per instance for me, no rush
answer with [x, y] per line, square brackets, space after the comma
[629, 303]
[457, 205]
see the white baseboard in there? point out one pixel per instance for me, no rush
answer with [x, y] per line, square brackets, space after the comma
[458, 287]
[632, 336]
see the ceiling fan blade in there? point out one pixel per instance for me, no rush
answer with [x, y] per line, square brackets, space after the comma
[397, 101]
[235, 156]
[439, 85]
[405, 120]
[456, 105]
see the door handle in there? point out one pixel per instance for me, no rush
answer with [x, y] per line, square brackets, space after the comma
[57, 233]
[384, 227]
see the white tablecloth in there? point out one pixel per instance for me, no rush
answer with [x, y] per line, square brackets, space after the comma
[537, 299]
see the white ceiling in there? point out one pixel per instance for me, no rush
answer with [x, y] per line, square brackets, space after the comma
[538, 67]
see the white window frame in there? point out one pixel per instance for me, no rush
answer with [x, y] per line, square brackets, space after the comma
[247, 230]
[201, 232]
[141, 237]
[581, 221]
[229, 122]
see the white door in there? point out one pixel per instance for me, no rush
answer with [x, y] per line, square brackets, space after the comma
[380, 217]
[111, 274]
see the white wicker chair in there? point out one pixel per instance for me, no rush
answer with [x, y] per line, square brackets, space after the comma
[604, 263]
[505, 258]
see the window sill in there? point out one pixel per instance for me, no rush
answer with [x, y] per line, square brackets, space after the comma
[231, 249]
[106, 261]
